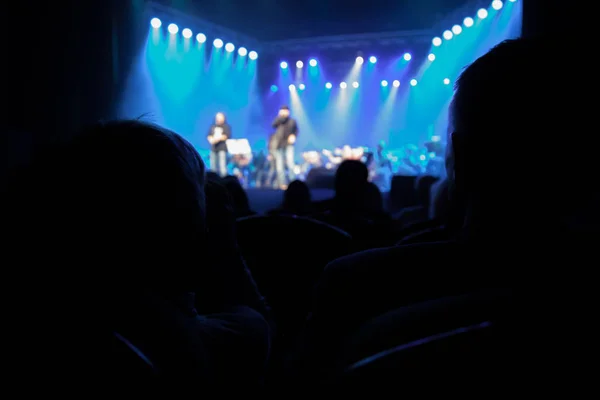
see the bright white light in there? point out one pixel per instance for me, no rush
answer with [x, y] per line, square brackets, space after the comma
[355, 85]
[384, 83]
[301, 86]
[407, 56]
[328, 85]
[312, 62]
[457, 29]
[372, 59]
[343, 85]
[299, 64]
[431, 57]
[242, 51]
[497, 4]
[173, 29]
[360, 60]
[447, 35]
[396, 83]
[446, 81]
[201, 38]
[155, 23]
[229, 47]
[292, 87]
[218, 43]
[482, 13]
[187, 33]
[468, 22]
[512, 1]
[413, 82]
[283, 65]
[253, 55]
[436, 41]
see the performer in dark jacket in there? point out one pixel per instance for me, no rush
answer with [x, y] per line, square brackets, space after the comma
[286, 131]
[218, 133]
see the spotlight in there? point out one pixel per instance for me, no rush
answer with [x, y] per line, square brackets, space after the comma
[396, 83]
[407, 56]
[313, 62]
[274, 88]
[155, 23]
[328, 85]
[229, 47]
[253, 55]
[497, 5]
[431, 57]
[447, 35]
[355, 85]
[187, 33]
[218, 43]
[283, 65]
[457, 29]
[242, 51]
[201, 38]
[343, 85]
[299, 64]
[292, 87]
[360, 60]
[512, 1]
[173, 29]
[436, 41]
[301, 86]
[446, 81]
[384, 83]
[413, 82]
[468, 22]
[482, 13]
[372, 59]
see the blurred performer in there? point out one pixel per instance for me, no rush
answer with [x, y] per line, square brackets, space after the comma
[286, 131]
[218, 133]
[380, 169]
[272, 173]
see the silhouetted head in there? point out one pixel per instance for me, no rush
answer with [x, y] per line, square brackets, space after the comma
[241, 204]
[506, 105]
[351, 180]
[373, 199]
[296, 198]
[220, 118]
[212, 176]
[124, 198]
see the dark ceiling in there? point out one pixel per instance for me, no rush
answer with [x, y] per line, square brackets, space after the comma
[291, 19]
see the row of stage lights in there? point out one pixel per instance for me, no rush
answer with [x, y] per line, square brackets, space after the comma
[201, 38]
[468, 22]
[355, 85]
[359, 60]
[437, 41]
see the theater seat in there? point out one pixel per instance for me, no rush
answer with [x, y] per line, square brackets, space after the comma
[128, 363]
[286, 255]
[453, 344]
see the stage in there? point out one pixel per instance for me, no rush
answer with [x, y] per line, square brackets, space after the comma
[263, 200]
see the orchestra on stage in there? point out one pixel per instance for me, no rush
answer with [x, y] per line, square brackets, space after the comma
[277, 167]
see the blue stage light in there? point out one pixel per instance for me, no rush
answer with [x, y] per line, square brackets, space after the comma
[155, 23]
[173, 29]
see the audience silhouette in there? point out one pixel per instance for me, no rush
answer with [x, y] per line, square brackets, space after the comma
[130, 264]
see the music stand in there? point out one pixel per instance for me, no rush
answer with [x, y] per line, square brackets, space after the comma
[238, 147]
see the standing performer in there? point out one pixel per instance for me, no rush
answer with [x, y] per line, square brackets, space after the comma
[218, 133]
[285, 137]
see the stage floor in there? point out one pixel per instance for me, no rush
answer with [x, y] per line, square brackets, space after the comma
[263, 200]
